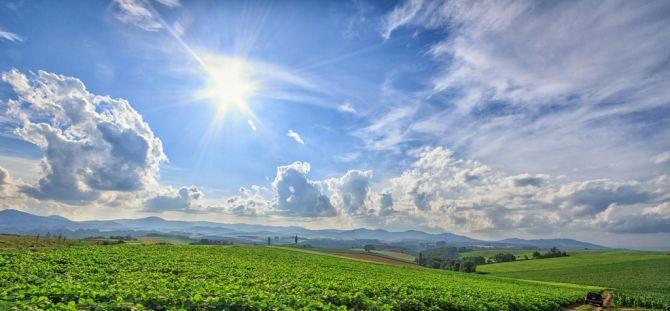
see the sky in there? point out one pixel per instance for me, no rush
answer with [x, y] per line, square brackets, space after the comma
[532, 119]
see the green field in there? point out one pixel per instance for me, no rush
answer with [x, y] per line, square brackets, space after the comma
[638, 278]
[144, 276]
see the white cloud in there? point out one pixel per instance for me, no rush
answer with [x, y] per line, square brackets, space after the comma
[661, 158]
[296, 195]
[295, 136]
[91, 143]
[251, 125]
[347, 107]
[6, 35]
[140, 13]
[183, 200]
[542, 88]
[351, 192]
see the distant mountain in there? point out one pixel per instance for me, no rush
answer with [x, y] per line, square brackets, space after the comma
[549, 243]
[13, 221]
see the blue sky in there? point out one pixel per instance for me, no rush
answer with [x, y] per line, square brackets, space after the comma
[532, 119]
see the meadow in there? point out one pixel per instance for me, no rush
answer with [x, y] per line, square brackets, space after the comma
[639, 279]
[173, 277]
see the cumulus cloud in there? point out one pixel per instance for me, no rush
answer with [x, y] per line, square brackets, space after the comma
[351, 192]
[296, 195]
[386, 204]
[6, 35]
[652, 220]
[91, 143]
[594, 196]
[295, 136]
[183, 200]
[4, 176]
[525, 180]
[446, 192]
[140, 13]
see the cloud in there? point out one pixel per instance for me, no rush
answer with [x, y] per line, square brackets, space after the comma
[296, 195]
[91, 143]
[347, 108]
[400, 16]
[351, 192]
[515, 86]
[6, 35]
[140, 13]
[4, 176]
[661, 158]
[594, 196]
[184, 200]
[525, 180]
[295, 137]
[386, 204]
[652, 220]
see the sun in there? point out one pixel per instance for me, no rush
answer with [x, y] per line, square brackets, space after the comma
[229, 83]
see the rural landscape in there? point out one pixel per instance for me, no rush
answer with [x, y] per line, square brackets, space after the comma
[403, 155]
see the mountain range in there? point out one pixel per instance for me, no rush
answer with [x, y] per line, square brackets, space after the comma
[18, 222]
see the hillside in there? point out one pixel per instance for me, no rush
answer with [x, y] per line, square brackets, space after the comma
[632, 274]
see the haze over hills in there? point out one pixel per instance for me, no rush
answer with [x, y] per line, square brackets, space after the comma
[18, 222]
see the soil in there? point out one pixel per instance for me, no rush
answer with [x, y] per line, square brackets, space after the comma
[375, 259]
[583, 307]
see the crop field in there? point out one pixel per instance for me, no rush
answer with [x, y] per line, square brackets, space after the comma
[639, 278]
[149, 276]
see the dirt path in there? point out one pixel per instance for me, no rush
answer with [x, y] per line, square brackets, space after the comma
[584, 307]
[375, 259]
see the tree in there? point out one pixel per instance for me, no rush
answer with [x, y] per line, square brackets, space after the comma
[504, 257]
[269, 240]
[467, 266]
[296, 239]
[369, 247]
[536, 254]
[419, 260]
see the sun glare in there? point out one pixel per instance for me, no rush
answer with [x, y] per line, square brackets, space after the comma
[229, 84]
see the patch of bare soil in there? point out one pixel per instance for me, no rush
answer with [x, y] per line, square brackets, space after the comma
[584, 307]
[376, 259]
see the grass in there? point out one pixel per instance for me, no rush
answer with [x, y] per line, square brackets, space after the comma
[638, 278]
[149, 276]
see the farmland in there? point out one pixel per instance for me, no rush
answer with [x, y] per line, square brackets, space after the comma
[149, 276]
[638, 278]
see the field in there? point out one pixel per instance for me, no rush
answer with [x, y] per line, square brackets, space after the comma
[638, 278]
[165, 239]
[151, 276]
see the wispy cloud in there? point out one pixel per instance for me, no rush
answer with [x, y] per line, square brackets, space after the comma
[140, 13]
[295, 136]
[6, 35]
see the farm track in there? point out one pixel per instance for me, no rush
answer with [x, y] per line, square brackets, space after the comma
[376, 259]
[583, 307]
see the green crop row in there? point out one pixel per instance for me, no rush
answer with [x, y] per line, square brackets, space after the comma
[171, 277]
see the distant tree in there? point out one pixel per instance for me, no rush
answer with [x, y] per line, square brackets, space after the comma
[419, 260]
[525, 257]
[269, 240]
[504, 257]
[467, 266]
[296, 239]
[477, 260]
[48, 234]
[536, 254]
[37, 238]
[369, 247]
